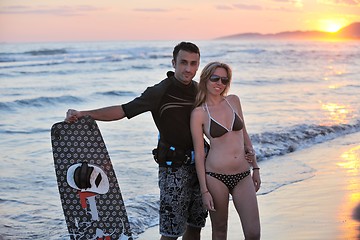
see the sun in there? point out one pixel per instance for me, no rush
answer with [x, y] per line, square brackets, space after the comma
[331, 25]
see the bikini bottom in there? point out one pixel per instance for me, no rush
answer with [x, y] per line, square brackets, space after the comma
[230, 180]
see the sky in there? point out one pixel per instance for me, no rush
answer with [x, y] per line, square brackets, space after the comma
[112, 20]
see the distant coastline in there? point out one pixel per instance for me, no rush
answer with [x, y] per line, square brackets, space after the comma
[351, 31]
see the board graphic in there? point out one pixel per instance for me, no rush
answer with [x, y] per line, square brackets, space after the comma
[88, 187]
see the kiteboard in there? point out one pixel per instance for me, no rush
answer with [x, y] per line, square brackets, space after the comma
[89, 191]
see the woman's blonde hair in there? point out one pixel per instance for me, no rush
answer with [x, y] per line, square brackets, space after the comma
[206, 73]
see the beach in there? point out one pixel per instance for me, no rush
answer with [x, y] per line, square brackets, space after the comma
[300, 102]
[325, 206]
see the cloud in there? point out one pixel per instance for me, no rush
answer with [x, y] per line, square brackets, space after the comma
[284, 1]
[341, 2]
[223, 7]
[296, 3]
[150, 10]
[60, 10]
[247, 6]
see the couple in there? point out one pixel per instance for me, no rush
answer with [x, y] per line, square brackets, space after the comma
[183, 112]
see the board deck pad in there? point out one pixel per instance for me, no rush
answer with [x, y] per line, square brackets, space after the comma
[96, 211]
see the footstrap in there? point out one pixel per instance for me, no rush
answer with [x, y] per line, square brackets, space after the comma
[82, 176]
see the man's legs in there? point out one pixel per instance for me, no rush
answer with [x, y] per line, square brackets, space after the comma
[167, 238]
[173, 202]
[192, 233]
[179, 192]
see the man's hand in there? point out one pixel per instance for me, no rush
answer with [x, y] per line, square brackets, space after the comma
[72, 116]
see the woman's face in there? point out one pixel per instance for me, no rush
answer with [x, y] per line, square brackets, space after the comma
[215, 85]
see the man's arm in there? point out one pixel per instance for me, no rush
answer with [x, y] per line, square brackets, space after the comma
[111, 113]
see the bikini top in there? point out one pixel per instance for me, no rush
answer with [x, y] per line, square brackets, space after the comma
[216, 129]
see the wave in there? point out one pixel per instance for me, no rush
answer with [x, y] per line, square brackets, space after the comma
[6, 59]
[12, 57]
[24, 132]
[253, 51]
[272, 81]
[48, 62]
[47, 52]
[38, 102]
[49, 101]
[143, 67]
[32, 64]
[270, 144]
[143, 212]
[49, 57]
[116, 93]
[14, 64]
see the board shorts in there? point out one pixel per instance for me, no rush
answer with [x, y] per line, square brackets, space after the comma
[180, 200]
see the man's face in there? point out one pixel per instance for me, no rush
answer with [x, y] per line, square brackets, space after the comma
[186, 64]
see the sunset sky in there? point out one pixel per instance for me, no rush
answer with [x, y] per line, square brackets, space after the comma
[94, 20]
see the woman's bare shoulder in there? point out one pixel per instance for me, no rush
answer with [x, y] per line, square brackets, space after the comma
[198, 112]
[233, 98]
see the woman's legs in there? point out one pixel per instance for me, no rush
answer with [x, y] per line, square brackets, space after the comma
[219, 218]
[245, 201]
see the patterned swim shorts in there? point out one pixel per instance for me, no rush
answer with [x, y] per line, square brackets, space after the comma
[180, 201]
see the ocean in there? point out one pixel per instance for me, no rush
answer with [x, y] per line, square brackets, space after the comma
[294, 94]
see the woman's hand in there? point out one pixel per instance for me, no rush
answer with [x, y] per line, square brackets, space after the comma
[256, 179]
[208, 201]
[250, 156]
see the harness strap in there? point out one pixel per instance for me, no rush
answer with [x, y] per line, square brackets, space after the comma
[169, 156]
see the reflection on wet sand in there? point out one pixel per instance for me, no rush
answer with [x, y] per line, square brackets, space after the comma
[351, 163]
[356, 216]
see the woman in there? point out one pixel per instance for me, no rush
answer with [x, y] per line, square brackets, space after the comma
[227, 166]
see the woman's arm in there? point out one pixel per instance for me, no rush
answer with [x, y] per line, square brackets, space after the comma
[196, 125]
[249, 150]
[198, 141]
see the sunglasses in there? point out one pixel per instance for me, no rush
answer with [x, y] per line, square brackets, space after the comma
[215, 78]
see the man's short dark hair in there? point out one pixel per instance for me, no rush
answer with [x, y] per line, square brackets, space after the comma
[186, 46]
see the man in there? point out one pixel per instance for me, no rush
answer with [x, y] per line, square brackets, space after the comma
[170, 103]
